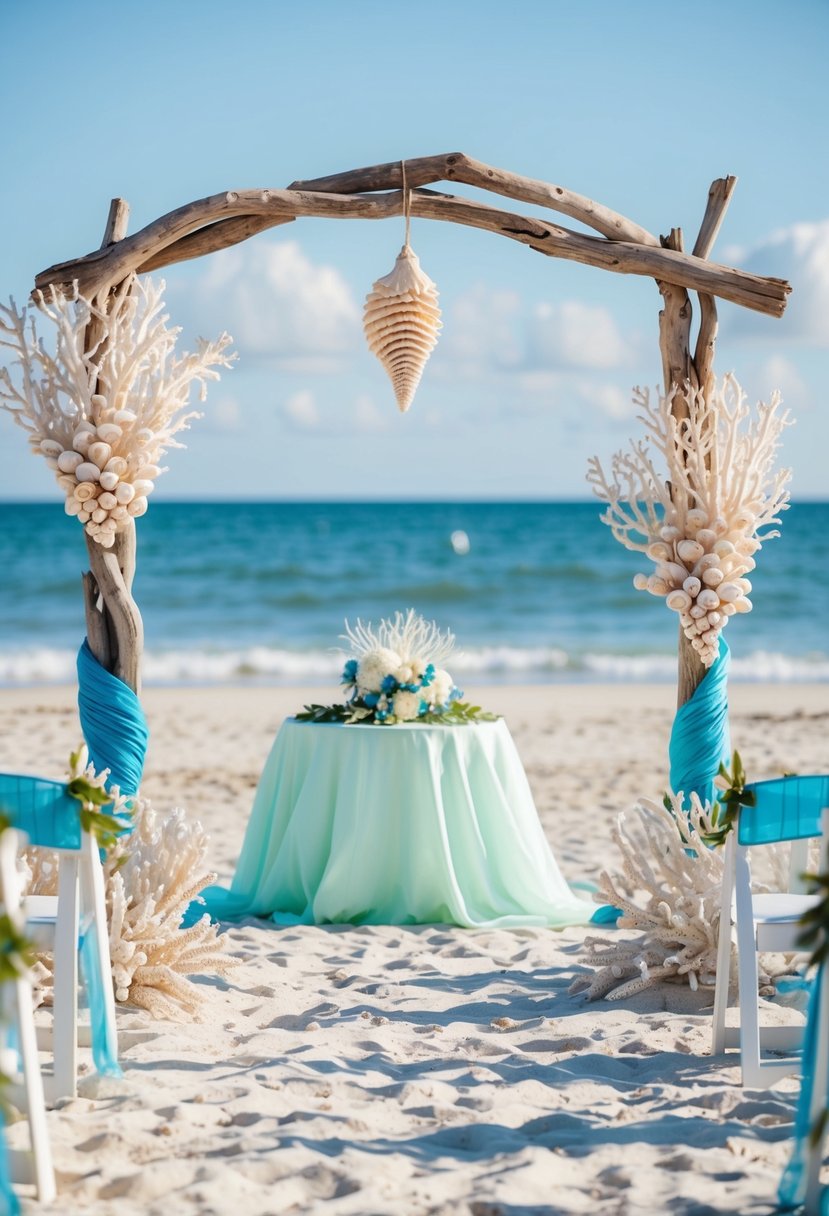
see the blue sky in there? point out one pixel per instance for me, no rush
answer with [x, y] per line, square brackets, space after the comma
[639, 106]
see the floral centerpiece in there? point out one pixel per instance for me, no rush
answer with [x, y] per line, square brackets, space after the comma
[396, 674]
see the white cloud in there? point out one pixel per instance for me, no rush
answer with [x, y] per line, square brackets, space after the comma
[301, 410]
[573, 334]
[277, 304]
[609, 399]
[495, 331]
[224, 414]
[800, 254]
[369, 417]
[483, 330]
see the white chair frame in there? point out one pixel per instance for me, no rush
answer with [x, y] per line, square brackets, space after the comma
[57, 923]
[764, 924]
[35, 1165]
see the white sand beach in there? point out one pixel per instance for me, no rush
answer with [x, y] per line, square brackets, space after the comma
[423, 1070]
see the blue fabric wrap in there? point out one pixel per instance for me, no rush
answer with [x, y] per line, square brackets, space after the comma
[42, 809]
[104, 1041]
[792, 1190]
[700, 740]
[9, 1205]
[112, 722]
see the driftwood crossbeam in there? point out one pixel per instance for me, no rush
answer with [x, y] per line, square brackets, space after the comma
[377, 192]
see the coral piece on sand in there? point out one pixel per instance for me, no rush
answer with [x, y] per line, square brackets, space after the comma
[152, 875]
[667, 890]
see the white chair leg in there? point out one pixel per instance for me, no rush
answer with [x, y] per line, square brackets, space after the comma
[63, 1083]
[43, 1171]
[93, 902]
[723, 980]
[747, 975]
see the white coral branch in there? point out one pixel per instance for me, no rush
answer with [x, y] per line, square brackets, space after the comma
[152, 875]
[104, 416]
[670, 892]
[700, 521]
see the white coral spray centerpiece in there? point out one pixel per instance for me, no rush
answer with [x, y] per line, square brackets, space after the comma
[701, 525]
[103, 417]
[396, 671]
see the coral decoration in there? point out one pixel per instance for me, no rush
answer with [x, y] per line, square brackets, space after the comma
[401, 323]
[671, 894]
[152, 874]
[679, 917]
[104, 417]
[701, 525]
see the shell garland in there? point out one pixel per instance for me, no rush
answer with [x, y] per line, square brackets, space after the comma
[701, 526]
[103, 417]
[108, 473]
[401, 323]
[701, 573]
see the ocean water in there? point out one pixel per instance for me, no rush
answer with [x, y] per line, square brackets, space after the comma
[234, 592]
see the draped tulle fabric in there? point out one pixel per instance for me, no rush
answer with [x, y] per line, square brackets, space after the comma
[112, 721]
[700, 739]
[792, 1190]
[407, 824]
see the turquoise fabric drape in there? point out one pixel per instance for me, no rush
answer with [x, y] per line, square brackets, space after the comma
[792, 1190]
[104, 1041]
[9, 1205]
[408, 824]
[112, 722]
[700, 739]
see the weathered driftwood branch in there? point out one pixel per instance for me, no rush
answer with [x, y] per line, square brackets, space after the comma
[213, 223]
[455, 167]
[114, 628]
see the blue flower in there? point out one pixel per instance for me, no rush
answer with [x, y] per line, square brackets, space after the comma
[389, 684]
[456, 694]
[371, 699]
[428, 676]
[349, 672]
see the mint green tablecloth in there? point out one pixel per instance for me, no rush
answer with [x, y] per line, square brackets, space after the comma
[403, 824]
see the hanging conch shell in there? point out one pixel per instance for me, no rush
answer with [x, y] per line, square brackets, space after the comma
[401, 323]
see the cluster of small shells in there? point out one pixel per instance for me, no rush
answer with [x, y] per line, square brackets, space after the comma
[107, 473]
[700, 571]
[401, 323]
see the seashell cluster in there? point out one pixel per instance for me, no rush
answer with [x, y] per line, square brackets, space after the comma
[699, 571]
[401, 323]
[103, 415]
[108, 473]
[700, 525]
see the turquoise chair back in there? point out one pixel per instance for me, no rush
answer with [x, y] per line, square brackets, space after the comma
[42, 809]
[787, 808]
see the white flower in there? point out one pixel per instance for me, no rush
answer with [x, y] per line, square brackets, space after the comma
[441, 687]
[427, 694]
[406, 706]
[404, 674]
[373, 668]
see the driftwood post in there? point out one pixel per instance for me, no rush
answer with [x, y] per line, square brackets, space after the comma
[681, 369]
[375, 192]
[114, 628]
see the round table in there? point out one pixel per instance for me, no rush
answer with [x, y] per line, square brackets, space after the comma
[403, 824]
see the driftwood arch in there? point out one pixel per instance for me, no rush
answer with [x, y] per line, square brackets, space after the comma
[376, 192]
